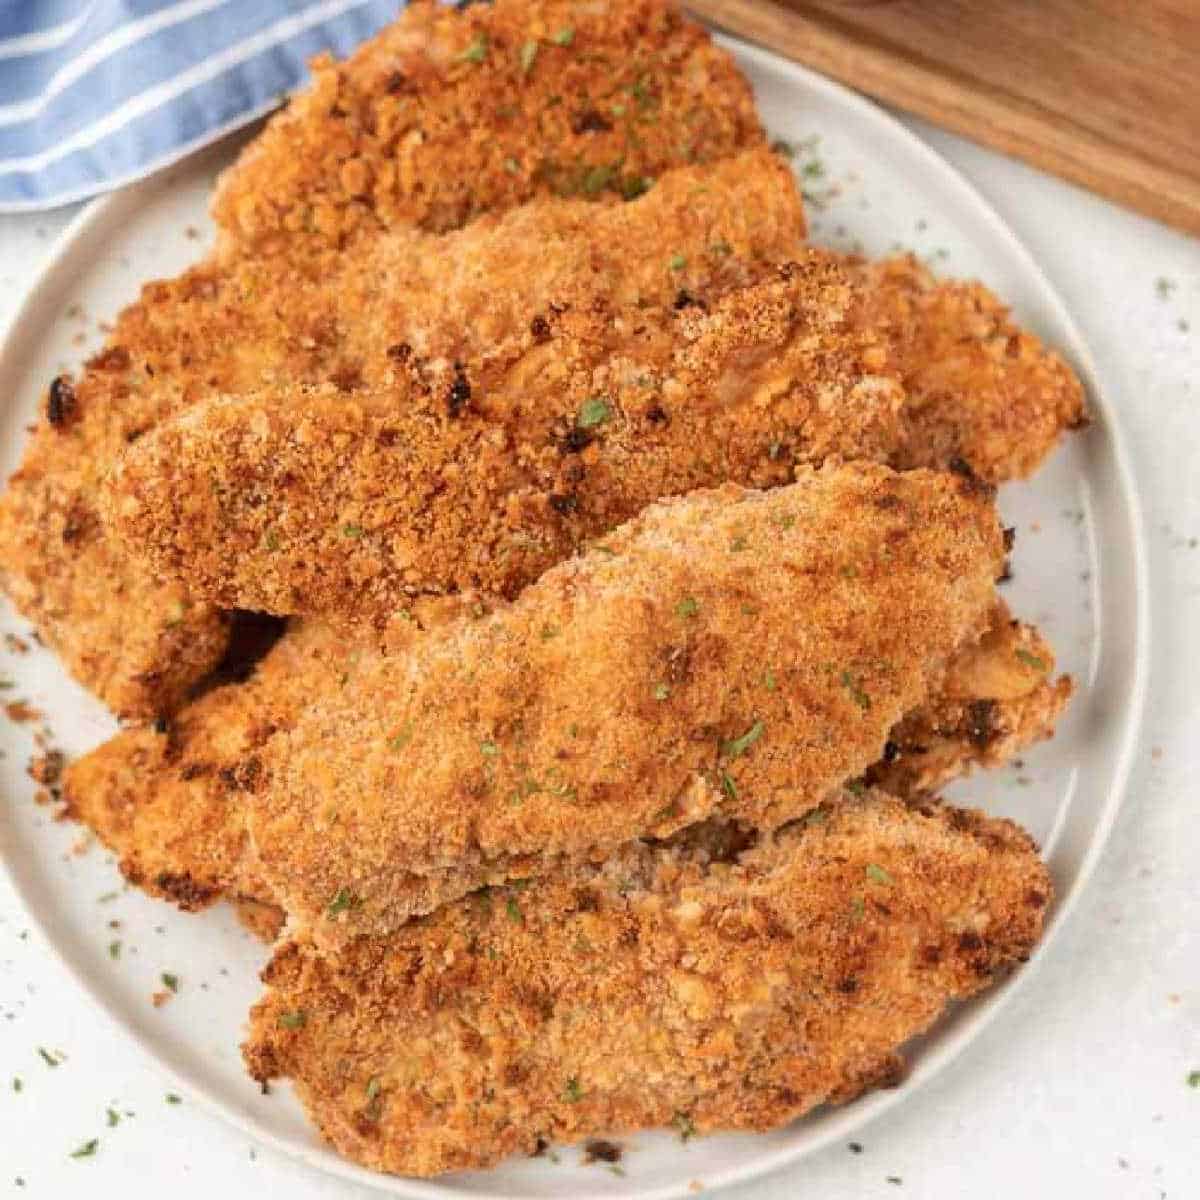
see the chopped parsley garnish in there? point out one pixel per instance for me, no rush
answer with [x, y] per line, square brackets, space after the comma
[172, 1098]
[736, 747]
[597, 179]
[728, 786]
[856, 787]
[685, 1125]
[661, 691]
[113, 1117]
[18, 1083]
[529, 53]
[344, 900]
[549, 631]
[352, 531]
[489, 749]
[858, 909]
[573, 1092]
[1030, 660]
[293, 1020]
[399, 740]
[512, 166]
[633, 186]
[564, 37]
[818, 816]
[51, 1060]
[87, 1149]
[1193, 1079]
[271, 540]
[514, 910]
[678, 262]
[687, 607]
[373, 1086]
[769, 681]
[601, 548]
[170, 982]
[876, 874]
[854, 687]
[114, 950]
[593, 412]
[476, 52]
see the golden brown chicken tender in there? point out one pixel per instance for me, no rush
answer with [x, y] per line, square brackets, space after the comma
[141, 642]
[980, 388]
[657, 989]
[732, 653]
[319, 503]
[447, 114]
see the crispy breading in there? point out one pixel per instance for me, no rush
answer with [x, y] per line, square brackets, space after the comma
[133, 638]
[980, 388]
[446, 114]
[176, 820]
[997, 697]
[319, 503]
[735, 653]
[657, 989]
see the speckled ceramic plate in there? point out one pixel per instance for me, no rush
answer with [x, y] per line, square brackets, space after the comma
[1079, 573]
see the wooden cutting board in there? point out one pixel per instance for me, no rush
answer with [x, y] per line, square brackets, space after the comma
[1105, 93]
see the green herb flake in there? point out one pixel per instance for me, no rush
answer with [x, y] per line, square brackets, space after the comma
[597, 179]
[876, 874]
[51, 1060]
[854, 687]
[87, 1149]
[529, 53]
[512, 166]
[18, 1084]
[170, 982]
[107, 898]
[685, 1125]
[549, 631]
[856, 787]
[476, 52]
[721, 249]
[341, 902]
[769, 681]
[818, 816]
[564, 37]
[858, 909]
[1164, 286]
[601, 548]
[399, 740]
[514, 910]
[633, 186]
[1193, 1079]
[736, 747]
[1030, 660]
[813, 170]
[728, 786]
[293, 1020]
[661, 691]
[687, 607]
[678, 262]
[373, 1087]
[489, 749]
[573, 1093]
[271, 540]
[114, 950]
[593, 412]
[112, 1116]
[172, 1098]
[352, 531]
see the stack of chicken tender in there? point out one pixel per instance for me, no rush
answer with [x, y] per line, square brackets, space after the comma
[639, 569]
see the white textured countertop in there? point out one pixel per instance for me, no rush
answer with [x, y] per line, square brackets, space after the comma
[1079, 1088]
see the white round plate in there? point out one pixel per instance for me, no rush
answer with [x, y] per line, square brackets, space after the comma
[1079, 574]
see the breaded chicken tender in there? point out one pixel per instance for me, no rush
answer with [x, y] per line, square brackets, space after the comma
[980, 388]
[447, 114]
[996, 698]
[657, 989]
[733, 653]
[170, 803]
[139, 641]
[319, 503]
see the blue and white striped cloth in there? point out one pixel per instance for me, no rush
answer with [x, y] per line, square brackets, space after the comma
[97, 93]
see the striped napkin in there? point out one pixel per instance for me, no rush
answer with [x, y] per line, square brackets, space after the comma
[98, 93]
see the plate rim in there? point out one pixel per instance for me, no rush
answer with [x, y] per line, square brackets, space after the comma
[95, 217]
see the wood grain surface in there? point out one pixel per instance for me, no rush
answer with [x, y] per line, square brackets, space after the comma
[1105, 93]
